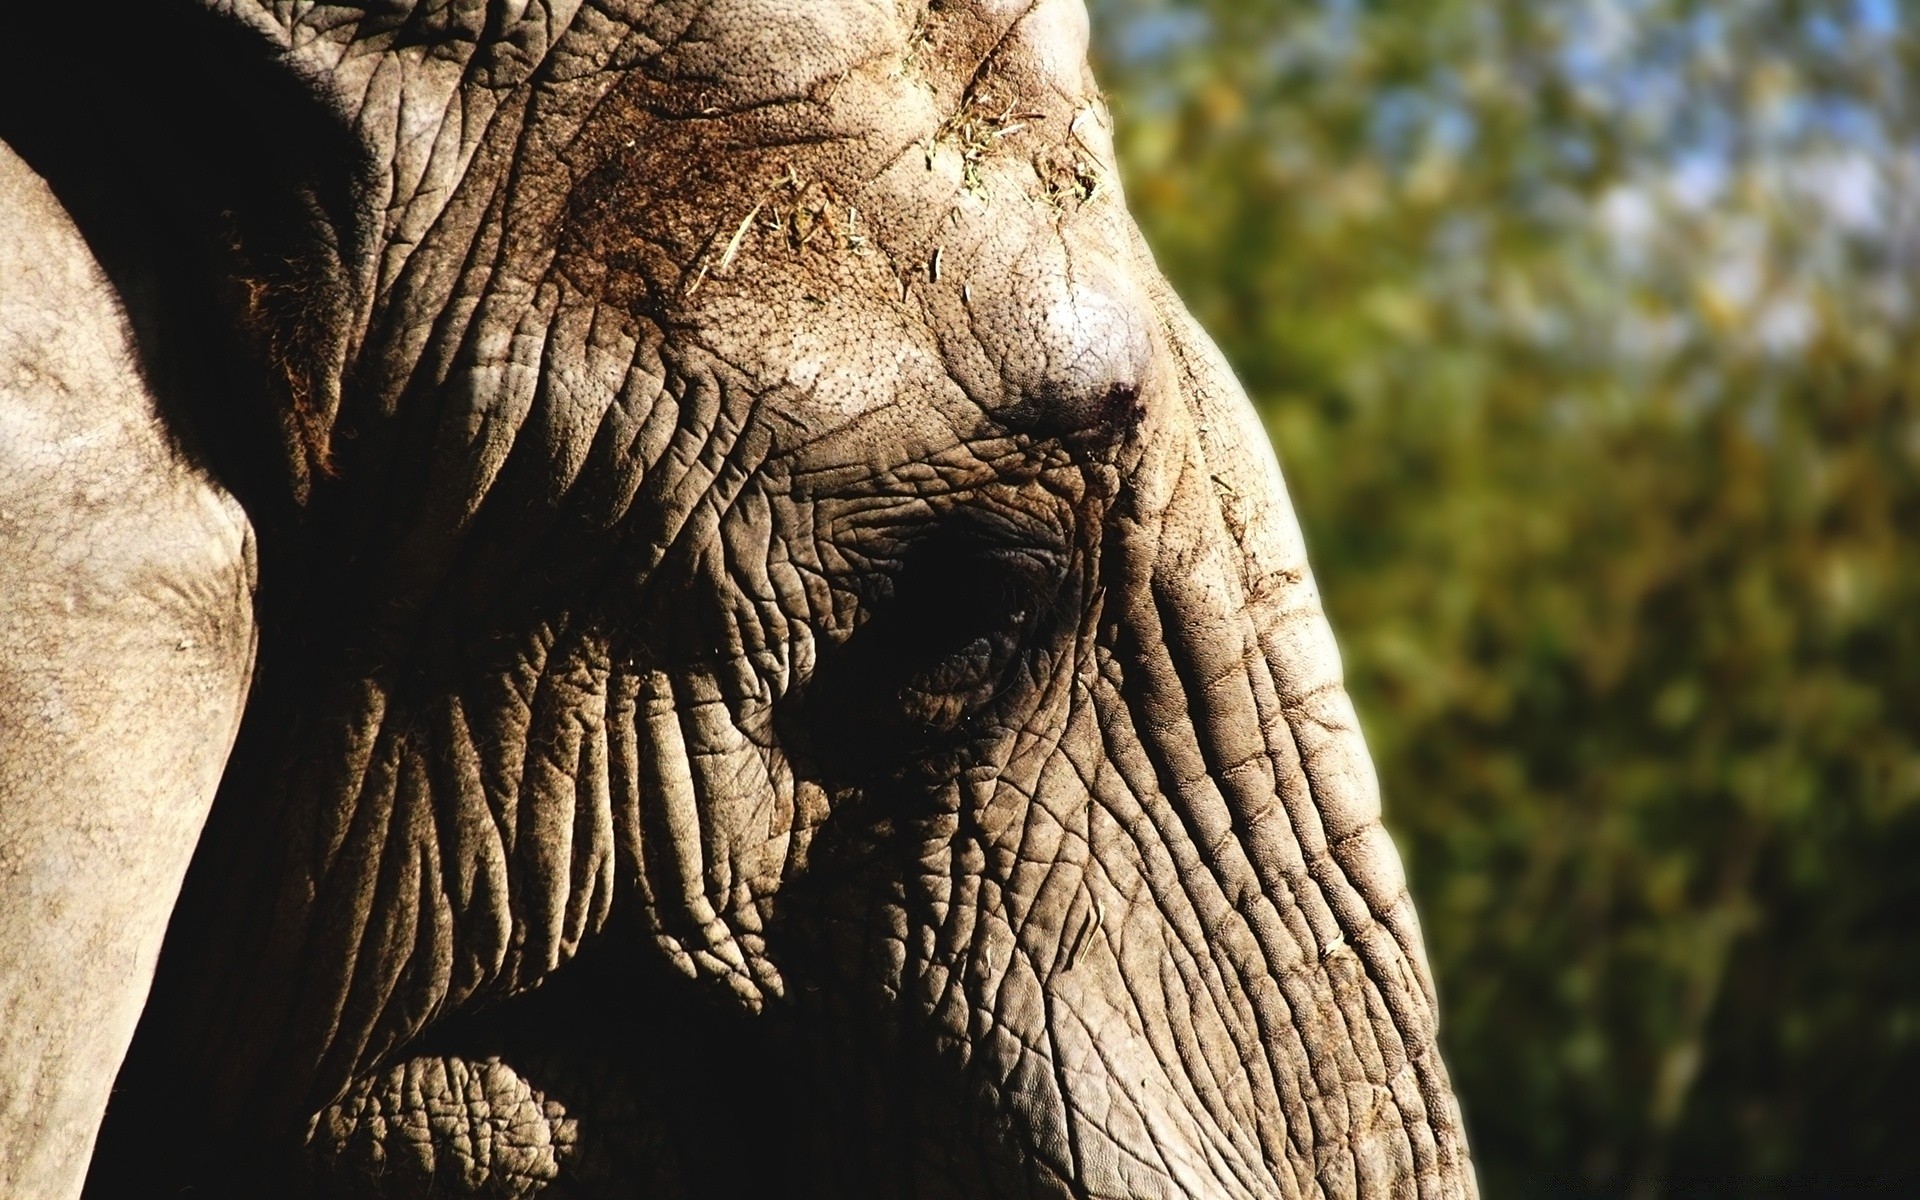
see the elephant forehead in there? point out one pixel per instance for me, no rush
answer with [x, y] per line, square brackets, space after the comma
[746, 52]
[756, 51]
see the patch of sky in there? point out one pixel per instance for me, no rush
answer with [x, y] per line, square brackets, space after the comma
[1698, 178]
[1432, 118]
[1596, 36]
[1158, 34]
[1880, 18]
[1399, 118]
[1629, 219]
[1320, 40]
[1341, 20]
[1846, 187]
[1452, 130]
[1785, 326]
[1846, 119]
[1825, 33]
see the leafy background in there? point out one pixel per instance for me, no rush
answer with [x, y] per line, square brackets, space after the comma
[1585, 331]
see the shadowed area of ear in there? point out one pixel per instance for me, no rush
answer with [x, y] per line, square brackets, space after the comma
[219, 190]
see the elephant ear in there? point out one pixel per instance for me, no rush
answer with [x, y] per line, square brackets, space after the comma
[126, 647]
[201, 267]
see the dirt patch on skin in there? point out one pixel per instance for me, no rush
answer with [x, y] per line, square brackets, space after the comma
[662, 203]
[990, 115]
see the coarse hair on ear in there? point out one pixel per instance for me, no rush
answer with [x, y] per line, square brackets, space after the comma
[217, 187]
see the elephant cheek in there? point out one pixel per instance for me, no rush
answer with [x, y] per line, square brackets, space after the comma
[710, 818]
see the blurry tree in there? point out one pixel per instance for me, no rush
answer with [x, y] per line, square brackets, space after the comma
[1587, 333]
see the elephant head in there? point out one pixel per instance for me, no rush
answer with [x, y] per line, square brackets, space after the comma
[755, 564]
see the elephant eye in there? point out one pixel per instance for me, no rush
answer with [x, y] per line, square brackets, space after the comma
[959, 617]
[961, 611]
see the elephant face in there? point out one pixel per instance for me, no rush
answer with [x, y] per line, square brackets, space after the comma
[759, 499]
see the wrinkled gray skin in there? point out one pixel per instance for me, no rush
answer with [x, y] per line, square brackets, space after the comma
[785, 661]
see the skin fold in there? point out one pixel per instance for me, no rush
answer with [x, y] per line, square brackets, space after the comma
[786, 662]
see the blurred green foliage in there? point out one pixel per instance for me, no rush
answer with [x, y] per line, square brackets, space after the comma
[1586, 333]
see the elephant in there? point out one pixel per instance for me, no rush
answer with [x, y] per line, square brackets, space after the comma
[655, 598]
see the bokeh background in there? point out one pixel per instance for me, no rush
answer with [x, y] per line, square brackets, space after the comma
[1586, 332]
